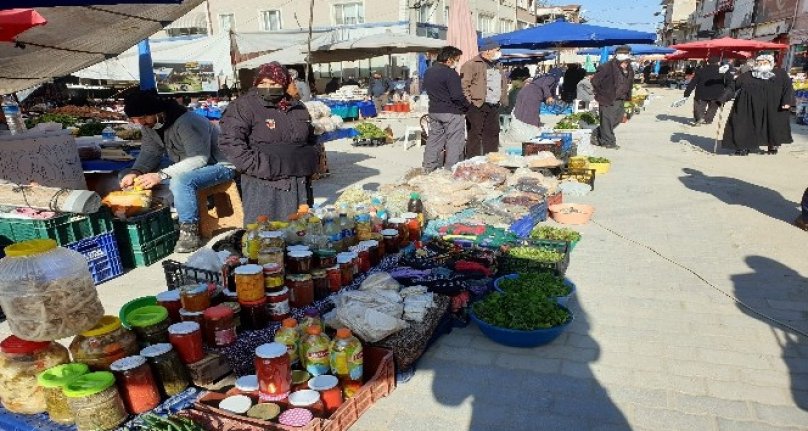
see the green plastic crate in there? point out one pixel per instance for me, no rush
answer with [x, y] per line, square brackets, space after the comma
[144, 229]
[135, 257]
[64, 228]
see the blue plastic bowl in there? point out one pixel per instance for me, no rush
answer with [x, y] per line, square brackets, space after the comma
[514, 338]
[561, 300]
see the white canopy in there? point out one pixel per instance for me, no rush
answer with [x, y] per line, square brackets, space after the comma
[80, 36]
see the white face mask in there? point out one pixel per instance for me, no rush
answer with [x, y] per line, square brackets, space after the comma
[497, 55]
[622, 57]
[764, 67]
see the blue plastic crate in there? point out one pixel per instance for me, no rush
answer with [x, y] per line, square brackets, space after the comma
[102, 254]
[522, 227]
[565, 138]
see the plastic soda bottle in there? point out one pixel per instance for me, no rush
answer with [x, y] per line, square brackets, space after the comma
[314, 351]
[310, 318]
[332, 230]
[11, 110]
[347, 361]
[288, 336]
[416, 206]
[251, 242]
[108, 134]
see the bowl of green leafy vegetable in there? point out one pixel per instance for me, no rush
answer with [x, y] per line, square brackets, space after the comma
[554, 287]
[523, 318]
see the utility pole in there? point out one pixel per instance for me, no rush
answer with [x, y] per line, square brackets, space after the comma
[412, 10]
[311, 29]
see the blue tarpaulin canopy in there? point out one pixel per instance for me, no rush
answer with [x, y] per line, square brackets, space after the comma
[528, 56]
[11, 4]
[636, 49]
[562, 34]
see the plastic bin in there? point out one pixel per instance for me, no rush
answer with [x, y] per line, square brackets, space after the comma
[145, 255]
[63, 228]
[145, 228]
[509, 265]
[586, 176]
[103, 256]
[178, 275]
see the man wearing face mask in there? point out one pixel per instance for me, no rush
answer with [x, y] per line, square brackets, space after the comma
[486, 88]
[447, 106]
[190, 141]
[613, 84]
[269, 137]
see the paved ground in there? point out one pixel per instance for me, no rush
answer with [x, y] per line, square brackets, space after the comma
[658, 342]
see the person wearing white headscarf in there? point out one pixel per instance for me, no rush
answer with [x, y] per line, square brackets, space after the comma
[760, 116]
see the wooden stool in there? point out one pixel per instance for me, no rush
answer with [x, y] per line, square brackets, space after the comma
[227, 212]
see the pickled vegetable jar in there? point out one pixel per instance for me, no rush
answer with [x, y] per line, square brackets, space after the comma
[250, 283]
[20, 363]
[195, 297]
[273, 277]
[170, 299]
[220, 329]
[150, 324]
[170, 372]
[107, 342]
[136, 384]
[273, 238]
[274, 371]
[278, 305]
[301, 290]
[95, 402]
[254, 315]
[320, 280]
[325, 258]
[334, 279]
[345, 268]
[53, 380]
[47, 292]
[186, 337]
[299, 262]
[270, 255]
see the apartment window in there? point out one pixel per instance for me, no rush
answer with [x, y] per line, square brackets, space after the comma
[425, 13]
[270, 20]
[349, 13]
[485, 24]
[227, 22]
[522, 25]
[505, 26]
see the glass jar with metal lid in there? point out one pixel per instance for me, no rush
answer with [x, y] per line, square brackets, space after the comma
[299, 262]
[171, 300]
[20, 363]
[254, 315]
[345, 263]
[392, 240]
[273, 238]
[186, 337]
[193, 316]
[107, 342]
[220, 329]
[195, 297]
[150, 324]
[301, 290]
[325, 258]
[274, 371]
[273, 276]
[53, 380]
[250, 283]
[270, 255]
[320, 280]
[171, 374]
[278, 305]
[95, 402]
[236, 307]
[136, 384]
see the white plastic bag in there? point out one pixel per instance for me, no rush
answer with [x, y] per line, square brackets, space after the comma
[380, 281]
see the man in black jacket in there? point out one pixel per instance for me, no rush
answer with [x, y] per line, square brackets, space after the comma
[613, 84]
[710, 85]
[447, 108]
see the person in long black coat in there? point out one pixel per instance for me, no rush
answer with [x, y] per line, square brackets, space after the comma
[574, 74]
[709, 84]
[760, 116]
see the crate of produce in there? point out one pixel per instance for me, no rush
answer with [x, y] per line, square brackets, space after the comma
[523, 226]
[145, 228]
[63, 228]
[381, 380]
[178, 274]
[586, 176]
[527, 257]
[145, 255]
[103, 256]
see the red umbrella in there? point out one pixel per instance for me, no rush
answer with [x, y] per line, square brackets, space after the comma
[706, 53]
[15, 21]
[730, 44]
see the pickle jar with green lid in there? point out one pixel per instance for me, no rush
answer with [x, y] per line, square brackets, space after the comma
[95, 403]
[53, 380]
[150, 324]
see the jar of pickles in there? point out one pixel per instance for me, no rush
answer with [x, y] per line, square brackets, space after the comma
[136, 384]
[236, 307]
[95, 402]
[186, 337]
[364, 258]
[250, 283]
[273, 238]
[345, 268]
[413, 226]
[255, 315]
[364, 228]
[334, 277]
[270, 255]
[301, 290]
[195, 297]
[171, 374]
[170, 299]
[273, 276]
[53, 380]
[320, 281]
[278, 305]
[150, 324]
[400, 225]
[20, 363]
[299, 262]
[274, 371]
[392, 242]
[372, 247]
[325, 258]
[107, 342]
[220, 330]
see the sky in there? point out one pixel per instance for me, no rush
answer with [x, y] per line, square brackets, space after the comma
[628, 14]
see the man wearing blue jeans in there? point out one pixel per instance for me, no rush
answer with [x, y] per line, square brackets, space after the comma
[190, 141]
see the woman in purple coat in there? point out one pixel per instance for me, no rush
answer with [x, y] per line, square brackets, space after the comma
[525, 120]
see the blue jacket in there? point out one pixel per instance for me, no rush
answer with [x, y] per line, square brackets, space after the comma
[442, 85]
[379, 87]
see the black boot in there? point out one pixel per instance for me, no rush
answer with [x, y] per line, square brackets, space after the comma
[189, 241]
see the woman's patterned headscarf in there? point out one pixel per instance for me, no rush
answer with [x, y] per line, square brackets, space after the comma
[278, 74]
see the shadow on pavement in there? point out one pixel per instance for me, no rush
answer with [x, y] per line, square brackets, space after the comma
[706, 143]
[523, 390]
[733, 191]
[774, 290]
[345, 170]
[674, 118]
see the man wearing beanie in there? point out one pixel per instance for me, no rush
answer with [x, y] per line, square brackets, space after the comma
[710, 85]
[613, 84]
[486, 88]
[190, 141]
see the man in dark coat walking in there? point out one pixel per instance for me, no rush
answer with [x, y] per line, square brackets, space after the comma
[613, 84]
[710, 85]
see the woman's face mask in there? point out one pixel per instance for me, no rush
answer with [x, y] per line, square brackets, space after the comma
[622, 57]
[764, 67]
[271, 94]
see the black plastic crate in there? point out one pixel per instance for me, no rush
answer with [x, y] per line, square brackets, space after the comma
[178, 274]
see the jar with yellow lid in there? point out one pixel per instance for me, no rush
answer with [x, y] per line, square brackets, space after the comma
[47, 292]
[107, 342]
[53, 380]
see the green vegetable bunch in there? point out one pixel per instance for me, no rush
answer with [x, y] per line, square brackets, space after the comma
[536, 254]
[555, 233]
[172, 423]
[567, 123]
[599, 160]
[91, 129]
[526, 259]
[370, 131]
[588, 117]
[522, 310]
[65, 120]
[545, 283]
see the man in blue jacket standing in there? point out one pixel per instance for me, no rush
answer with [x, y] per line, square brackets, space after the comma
[378, 90]
[447, 108]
